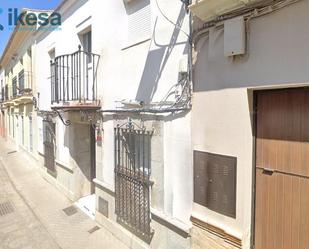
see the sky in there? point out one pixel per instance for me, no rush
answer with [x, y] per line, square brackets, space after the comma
[6, 4]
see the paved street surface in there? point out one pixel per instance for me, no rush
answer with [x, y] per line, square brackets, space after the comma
[31, 211]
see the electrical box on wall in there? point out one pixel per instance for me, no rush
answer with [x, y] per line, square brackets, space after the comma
[234, 37]
[183, 65]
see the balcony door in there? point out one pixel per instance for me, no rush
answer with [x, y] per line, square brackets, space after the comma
[88, 61]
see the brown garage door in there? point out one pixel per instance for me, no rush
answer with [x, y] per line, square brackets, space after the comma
[282, 170]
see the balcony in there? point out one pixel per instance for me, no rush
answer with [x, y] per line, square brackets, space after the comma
[24, 83]
[208, 10]
[22, 91]
[2, 95]
[6, 93]
[7, 100]
[74, 81]
[14, 85]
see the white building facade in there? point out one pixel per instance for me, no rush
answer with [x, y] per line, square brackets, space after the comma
[114, 100]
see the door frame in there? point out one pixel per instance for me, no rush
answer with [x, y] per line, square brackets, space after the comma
[253, 193]
[92, 157]
[254, 134]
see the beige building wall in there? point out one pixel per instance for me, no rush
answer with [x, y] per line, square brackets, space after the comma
[18, 110]
[222, 115]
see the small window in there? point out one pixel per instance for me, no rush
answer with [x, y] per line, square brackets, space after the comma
[87, 45]
[13, 125]
[22, 131]
[52, 54]
[21, 81]
[87, 40]
[29, 52]
[30, 134]
[215, 182]
[139, 21]
[14, 85]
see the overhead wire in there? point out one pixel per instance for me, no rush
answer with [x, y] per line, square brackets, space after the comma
[170, 21]
[249, 12]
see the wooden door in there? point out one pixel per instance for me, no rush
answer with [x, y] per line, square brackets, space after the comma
[282, 170]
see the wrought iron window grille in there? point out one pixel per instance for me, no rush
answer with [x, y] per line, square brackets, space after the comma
[132, 178]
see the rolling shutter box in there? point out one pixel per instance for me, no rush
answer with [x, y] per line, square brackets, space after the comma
[215, 182]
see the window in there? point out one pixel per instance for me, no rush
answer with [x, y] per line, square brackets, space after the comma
[87, 42]
[87, 45]
[2, 91]
[132, 176]
[14, 84]
[21, 81]
[215, 182]
[13, 125]
[29, 52]
[52, 54]
[139, 21]
[22, 131]
[9, 116]
[6, 92]
[30, 134]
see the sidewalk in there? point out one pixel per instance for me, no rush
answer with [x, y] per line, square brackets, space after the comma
[39, 217]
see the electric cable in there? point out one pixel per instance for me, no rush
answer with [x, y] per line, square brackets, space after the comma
[170, 21]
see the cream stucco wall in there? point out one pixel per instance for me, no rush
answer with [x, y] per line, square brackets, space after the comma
[22, 60]
[222, 115]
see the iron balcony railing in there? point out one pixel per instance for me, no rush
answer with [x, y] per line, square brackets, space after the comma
[14, 85]
[6, 93]
[74, 77]
[24, 83]
[2, 94]
[21, 86]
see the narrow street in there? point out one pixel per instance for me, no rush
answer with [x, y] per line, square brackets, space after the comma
[32, 212]
[19, 226]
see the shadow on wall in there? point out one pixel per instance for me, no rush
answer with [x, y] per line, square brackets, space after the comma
[137, 6]
[77, 139]
[277, 55]
[156, 62]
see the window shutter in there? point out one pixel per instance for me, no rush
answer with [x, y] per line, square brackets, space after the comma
[139, 21]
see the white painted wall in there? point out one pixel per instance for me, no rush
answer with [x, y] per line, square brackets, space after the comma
[222, 105]
[64, 41]
[131, 73]
[144, 71]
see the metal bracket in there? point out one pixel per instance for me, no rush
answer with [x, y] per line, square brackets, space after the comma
[268, 171]
[46, 115]
[67, 122]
